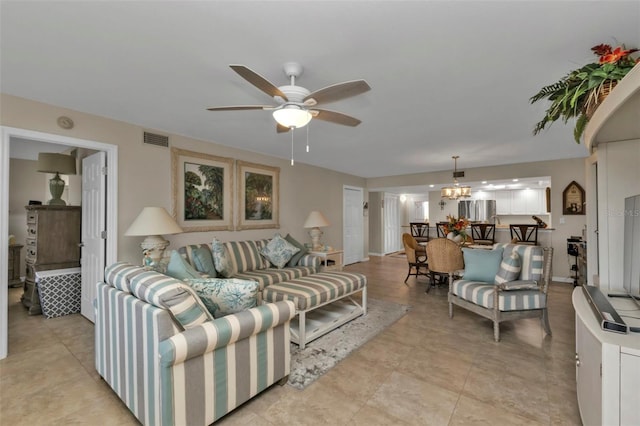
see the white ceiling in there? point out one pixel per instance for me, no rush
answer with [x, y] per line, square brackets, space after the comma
[447, 77]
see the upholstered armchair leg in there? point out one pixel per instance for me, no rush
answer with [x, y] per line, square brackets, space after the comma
[496, 330]
[545, 321]
[283, 381]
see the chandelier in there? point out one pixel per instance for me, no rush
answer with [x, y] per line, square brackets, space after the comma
[456, 191]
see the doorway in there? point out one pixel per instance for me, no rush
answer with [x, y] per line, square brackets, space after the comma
[10, 134]
[353, 232]
[391, 222]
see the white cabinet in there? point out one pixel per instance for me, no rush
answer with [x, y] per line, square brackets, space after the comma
[483, 195]
[520, 201]
[503, 202]
[607, 370]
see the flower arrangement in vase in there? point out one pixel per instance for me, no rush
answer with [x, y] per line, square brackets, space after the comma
[579, 93]
[456, 228]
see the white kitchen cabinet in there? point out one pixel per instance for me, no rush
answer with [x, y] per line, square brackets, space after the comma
[520, 201]
[503, 202]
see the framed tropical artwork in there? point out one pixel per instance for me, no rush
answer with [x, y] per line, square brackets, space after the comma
[258, 196]
[202, 191]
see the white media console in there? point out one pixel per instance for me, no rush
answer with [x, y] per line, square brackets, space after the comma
[607, 366]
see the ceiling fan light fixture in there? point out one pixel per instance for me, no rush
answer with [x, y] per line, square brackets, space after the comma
[292, 116]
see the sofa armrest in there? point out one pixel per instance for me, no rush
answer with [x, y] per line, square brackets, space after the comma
[309, 260]
[211, 335]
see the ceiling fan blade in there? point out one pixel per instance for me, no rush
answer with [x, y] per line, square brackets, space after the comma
[335, 117]
[259, 81]
[281, 129]
[336, 92]
[239, 107]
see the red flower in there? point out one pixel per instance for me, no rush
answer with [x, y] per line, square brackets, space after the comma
[601, 49]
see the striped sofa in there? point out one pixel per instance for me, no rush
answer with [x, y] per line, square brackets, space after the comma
[170, 362]
[523, 297]
[311, 291]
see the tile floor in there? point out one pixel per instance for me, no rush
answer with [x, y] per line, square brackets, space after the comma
[425, 369]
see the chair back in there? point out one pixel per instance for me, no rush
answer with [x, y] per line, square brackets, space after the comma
[420, 231]
[524, 233]
[410, 248]
[447, 255]
[483, 233]
[441, 229]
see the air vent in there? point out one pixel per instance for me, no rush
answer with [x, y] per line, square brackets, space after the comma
[155, 139]
[458, 174]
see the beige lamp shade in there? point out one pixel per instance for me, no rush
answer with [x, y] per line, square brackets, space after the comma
[315, 221]
[153, 222]
[56, 163]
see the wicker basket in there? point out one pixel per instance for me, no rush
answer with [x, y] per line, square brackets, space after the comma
[596, 97]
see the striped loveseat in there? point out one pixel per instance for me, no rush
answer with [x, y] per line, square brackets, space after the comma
[519, 290]
[300, 281]
[170, 362]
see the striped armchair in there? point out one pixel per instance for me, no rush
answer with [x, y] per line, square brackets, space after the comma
[170, 362]
[522, 295]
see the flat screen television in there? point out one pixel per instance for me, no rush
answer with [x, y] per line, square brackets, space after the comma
[631, 260]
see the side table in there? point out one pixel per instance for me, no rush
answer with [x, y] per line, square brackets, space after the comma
[331, 260]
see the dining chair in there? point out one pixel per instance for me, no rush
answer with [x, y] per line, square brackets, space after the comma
[441, 229]
[416, 257]
[447, 259]
[524, 234]
[420, 231]
[483, 233]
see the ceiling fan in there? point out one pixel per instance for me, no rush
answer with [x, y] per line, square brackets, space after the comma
[296, 105]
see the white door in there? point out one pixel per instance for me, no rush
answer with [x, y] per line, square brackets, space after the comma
[353, 233]
[392, 240]
[93, 228]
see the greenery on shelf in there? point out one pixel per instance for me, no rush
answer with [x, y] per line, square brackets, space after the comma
[578, 93]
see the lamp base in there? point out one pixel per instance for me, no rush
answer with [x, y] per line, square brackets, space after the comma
[153, 248]
[315, 234]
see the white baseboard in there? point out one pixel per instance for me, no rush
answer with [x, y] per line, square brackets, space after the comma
[376, 254]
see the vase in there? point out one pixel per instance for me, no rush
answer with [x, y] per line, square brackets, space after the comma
[455, 237]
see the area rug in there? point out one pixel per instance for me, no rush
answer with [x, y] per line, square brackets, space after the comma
[323, 353]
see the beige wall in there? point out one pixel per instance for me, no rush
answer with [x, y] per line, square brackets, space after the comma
[144, 176]
[562, 172]
[375, 223]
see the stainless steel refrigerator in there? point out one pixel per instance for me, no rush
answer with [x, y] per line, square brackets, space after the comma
[478, 210]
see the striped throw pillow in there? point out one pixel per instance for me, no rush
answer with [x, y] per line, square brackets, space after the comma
[171, 294]
[245, 255]
[509, 269]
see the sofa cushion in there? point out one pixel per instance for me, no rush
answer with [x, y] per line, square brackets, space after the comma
[221, 258]
[225, 296]
[279, 251]
[482, 294]
[509, 268]
[179, 268]
[245, 255]
[270, 276]
[481, 265]
[296, 257]
[531, 257]
[171, 294]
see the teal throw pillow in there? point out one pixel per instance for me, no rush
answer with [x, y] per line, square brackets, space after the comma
[179, 268]
[278, 251]
[509, 269]
[481, 265]
[225, 296]
[296, 257]
[203, 261]
[222, 260]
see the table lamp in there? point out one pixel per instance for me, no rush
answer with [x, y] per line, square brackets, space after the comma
[56, 163]
[153, 222]
[315, 221]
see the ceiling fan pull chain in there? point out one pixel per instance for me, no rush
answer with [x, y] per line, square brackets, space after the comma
[292, 131]
[307, 138]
